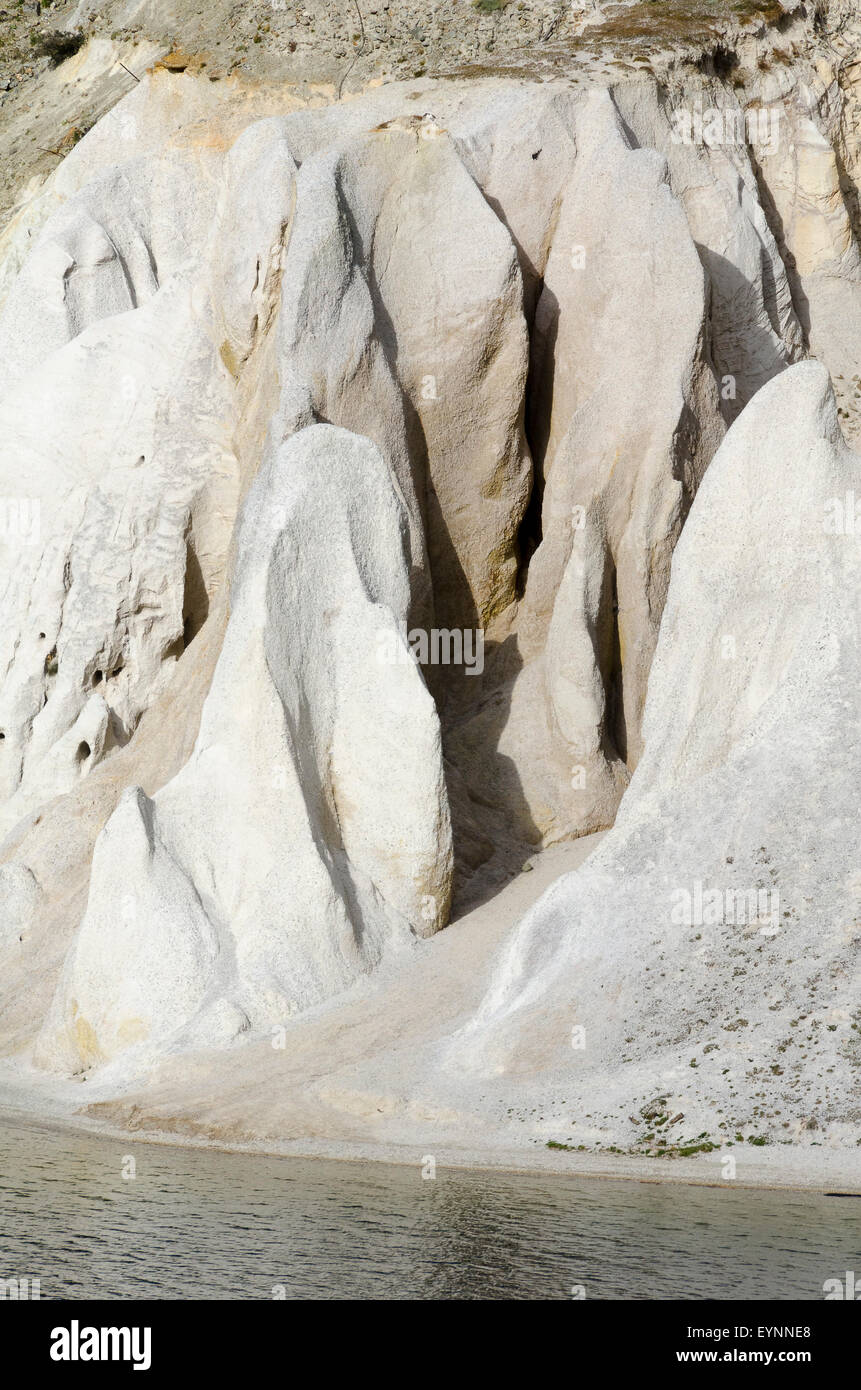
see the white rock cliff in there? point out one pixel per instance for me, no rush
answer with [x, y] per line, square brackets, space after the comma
[401, 487]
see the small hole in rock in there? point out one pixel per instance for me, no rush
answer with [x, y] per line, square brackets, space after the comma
[97, 678]
[83, 752]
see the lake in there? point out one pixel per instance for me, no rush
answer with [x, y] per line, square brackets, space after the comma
[195, 1224]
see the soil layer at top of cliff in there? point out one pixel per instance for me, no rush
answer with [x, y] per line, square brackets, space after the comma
[364, 40]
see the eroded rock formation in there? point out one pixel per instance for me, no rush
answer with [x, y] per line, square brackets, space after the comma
[370, 521]
[710, 945]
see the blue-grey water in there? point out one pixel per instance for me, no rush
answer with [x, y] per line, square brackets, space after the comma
[195, 1224]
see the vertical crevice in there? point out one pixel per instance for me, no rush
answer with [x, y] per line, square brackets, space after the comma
[195, 599]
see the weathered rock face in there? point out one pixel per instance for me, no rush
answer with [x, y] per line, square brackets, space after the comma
[403, 319]
[118, 540]
[309, 829]
[709, 949]
[378, 290]
[346, 450]
[118, 416]
[625, 417]
[714, 145]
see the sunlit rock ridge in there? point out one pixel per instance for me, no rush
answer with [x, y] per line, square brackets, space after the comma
[401, 481]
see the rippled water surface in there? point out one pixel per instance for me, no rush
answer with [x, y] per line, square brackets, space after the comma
[204, 1225]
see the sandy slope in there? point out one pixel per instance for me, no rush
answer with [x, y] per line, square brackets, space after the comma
[289, 1100]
